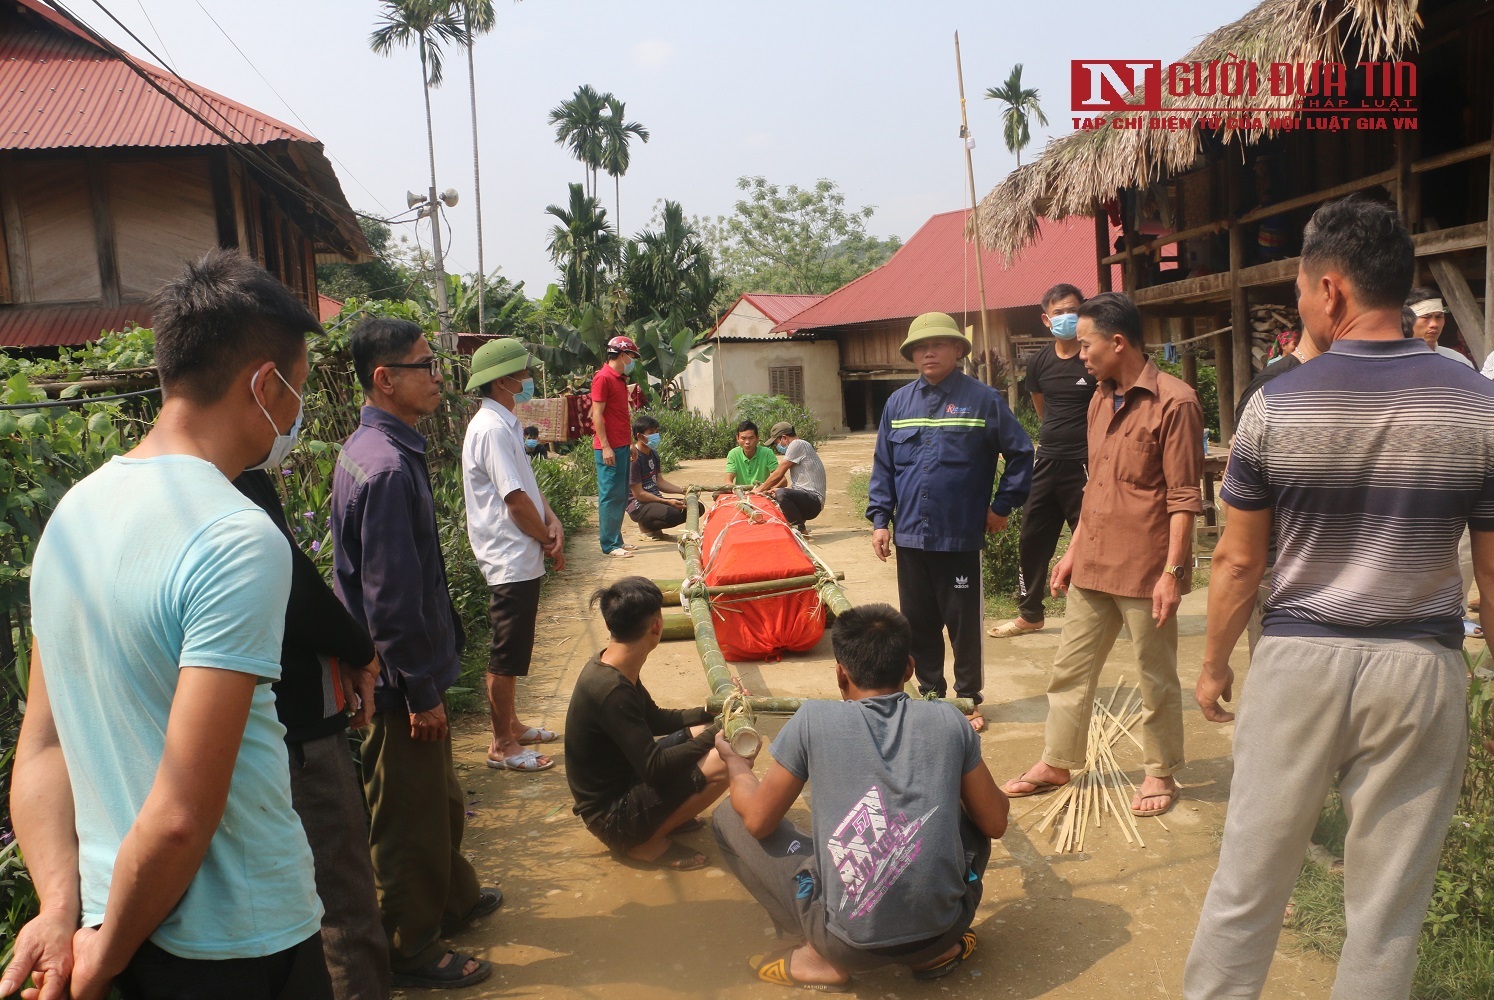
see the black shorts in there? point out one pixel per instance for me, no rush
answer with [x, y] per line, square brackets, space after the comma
[512, 610]
[635, 817]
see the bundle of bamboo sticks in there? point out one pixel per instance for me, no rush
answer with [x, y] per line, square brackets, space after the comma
[1079, 807]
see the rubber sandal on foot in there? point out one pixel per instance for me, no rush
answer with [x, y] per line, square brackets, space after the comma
[967, 948]
[536, 734]
[1172, 800]
[775, 969]
[528, 761]
[1007, 630]
[488, 901]
[1038, 787]
[676, 858]
[435, 977]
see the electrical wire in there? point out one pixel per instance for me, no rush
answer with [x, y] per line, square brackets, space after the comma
[78, 400]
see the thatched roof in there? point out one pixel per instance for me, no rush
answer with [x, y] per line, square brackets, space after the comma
[1083, 169]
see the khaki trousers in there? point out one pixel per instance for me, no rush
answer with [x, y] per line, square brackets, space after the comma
[1390, 718]
[1094, 620]
[416, 816]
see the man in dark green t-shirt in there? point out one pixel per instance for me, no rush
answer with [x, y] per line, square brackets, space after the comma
[747, 464]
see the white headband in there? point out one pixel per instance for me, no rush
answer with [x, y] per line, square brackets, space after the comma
[1428, 306]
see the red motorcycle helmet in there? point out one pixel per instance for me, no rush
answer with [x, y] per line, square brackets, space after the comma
[622, 345]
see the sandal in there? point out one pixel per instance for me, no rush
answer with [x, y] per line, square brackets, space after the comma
[775, 969]
[537, 734]
[675, 858]
[488, 900]
[436, 976]
[1172, 799]
[528, 761]
[1007, 630]
[967, 948]
[1038, 787]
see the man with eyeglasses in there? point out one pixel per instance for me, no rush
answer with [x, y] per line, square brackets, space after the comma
[389, 572]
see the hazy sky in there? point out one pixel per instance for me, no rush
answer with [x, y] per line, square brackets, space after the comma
[863, 93]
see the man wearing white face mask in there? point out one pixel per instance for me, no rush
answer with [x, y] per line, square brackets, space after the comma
[512, 529]
[1061, 389]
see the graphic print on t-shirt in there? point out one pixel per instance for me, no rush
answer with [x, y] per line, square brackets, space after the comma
[871, 851]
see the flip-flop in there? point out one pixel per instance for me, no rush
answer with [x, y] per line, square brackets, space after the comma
[1007, 630]
[967, 948]
[1472, 629]
[527, 761]
[488, 900]
[436, 977]
[1172, 800]
[1038, 787]
[775, 969]
[537, 734]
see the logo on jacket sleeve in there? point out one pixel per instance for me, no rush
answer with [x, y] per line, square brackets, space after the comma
[962, 583]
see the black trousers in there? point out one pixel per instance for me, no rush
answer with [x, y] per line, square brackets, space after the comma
[1057, 493]
[654, 517]
[939, 590]
[798, 506]
[298, 973]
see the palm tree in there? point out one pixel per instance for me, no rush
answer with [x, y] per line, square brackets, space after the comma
[478, 18]
[578, 127]
[583, 245]
[665, 267]
[1021, 104]
[617, 134]
[427, 24]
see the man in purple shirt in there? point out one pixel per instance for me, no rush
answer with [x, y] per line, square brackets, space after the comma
[389, 572]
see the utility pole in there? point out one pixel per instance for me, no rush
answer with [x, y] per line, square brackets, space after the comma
[980, 270]
[446, 339]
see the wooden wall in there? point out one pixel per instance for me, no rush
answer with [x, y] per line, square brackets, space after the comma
[105, 227]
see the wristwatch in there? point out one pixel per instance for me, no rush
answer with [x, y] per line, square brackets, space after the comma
[1180, 572]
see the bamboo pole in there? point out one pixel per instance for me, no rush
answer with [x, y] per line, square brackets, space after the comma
[980, 268]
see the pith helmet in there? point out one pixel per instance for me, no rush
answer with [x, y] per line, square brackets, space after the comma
[931, 325]
[496, 359]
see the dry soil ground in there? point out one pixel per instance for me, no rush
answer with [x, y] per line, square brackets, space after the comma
[1115, 921]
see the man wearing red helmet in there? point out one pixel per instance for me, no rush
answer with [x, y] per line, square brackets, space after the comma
[610, 418]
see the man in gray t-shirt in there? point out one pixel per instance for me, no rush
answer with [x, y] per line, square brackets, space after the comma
[798, 484]
[903, 815]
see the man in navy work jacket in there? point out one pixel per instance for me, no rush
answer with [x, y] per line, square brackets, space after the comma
[932, 476]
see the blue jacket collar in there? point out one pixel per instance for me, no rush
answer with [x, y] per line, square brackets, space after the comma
[951, 382]
[393, 427]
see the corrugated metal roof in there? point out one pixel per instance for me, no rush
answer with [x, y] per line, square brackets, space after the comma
[935, 272]
[327, 307]
[775, 307]
[59, 90]
[65, 326]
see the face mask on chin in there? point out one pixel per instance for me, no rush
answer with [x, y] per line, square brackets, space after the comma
[526, 391]
[281, 448]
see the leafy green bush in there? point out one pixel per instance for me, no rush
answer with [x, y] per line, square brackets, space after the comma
[1208, 392]
[687, 434]
[765, 411]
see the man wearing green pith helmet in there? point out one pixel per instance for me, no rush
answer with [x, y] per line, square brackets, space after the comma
[932, 477]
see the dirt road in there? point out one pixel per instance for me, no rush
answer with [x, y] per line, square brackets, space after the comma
[1115, 921]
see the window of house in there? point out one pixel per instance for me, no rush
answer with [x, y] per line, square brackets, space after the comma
[787, 382]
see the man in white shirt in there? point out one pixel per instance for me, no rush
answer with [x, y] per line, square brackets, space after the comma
[512, 529]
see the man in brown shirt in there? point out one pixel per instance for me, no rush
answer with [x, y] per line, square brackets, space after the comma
[1130, 561]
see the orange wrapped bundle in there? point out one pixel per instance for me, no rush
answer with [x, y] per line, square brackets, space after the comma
[746, 542]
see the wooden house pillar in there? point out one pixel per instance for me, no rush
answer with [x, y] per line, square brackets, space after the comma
[1102, 247]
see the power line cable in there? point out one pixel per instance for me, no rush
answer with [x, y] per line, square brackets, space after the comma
[283, 101]
[153, 28]
[78, 400]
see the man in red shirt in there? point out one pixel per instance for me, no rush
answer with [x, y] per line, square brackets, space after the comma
[610, 417]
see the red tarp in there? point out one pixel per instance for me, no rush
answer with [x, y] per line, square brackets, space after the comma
[757, 547]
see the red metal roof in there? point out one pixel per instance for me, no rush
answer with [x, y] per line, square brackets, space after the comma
[779, 308]
[935, 272]
[64, 326]
[327, 307]
[59, 89]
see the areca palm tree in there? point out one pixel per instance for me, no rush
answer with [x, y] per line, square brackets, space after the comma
[665, 266]
[478, 18]
[583, 245]
[578, 127]
[1021, 105]
[617, 134]
[427, 24]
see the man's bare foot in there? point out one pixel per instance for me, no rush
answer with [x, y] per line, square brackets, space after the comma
[977, 721]
[652, 851]
[951, 953]
[805, 965]
[1155, 796]
[1038, 778]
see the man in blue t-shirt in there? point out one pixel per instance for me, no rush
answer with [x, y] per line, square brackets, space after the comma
[151, 788]
[904, 812]
[1369, 463]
